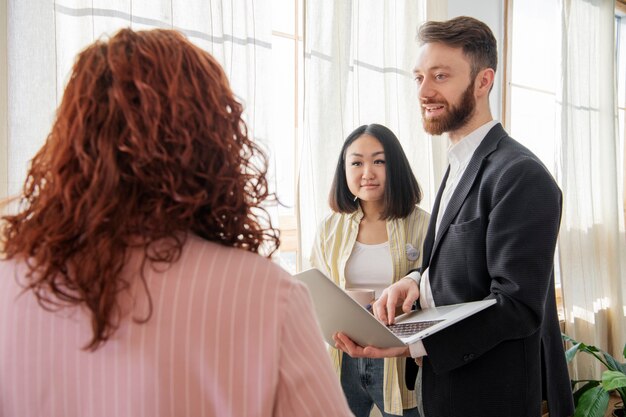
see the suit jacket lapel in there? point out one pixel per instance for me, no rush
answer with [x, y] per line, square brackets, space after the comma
[430, 233]
[488, 145]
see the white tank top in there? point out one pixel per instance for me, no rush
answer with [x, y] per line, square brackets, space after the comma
[369, 266]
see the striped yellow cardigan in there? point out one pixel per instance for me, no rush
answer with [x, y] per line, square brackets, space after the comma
[333, 245]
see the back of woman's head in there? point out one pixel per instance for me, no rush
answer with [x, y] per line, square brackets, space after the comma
[402, 191]
[147, 146]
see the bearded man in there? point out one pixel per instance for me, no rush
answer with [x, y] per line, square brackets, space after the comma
[492, 234]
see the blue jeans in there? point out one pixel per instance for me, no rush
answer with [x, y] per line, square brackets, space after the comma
[362, 383]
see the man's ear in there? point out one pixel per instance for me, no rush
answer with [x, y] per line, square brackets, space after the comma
[484, 82]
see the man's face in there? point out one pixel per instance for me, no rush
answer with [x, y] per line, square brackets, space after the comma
[445, 88]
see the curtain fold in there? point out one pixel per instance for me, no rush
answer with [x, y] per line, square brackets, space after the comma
[591, 244]
[4, 162]
[359, 57]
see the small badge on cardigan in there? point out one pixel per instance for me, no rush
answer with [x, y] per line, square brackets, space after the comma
[411, 253]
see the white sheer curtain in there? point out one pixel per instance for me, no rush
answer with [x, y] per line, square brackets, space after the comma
[3, 99]
[359, 57]
[45, 36]
[563, 106]
[591, 244]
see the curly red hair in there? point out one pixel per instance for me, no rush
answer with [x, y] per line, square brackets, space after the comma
[148, 145]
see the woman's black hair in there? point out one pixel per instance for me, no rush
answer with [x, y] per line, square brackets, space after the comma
[402, 191]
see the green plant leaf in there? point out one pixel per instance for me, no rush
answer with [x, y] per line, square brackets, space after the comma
[613, 379]
[571, 352]
[614, 365]
[580, 391]
[580, 345]
[592, 403]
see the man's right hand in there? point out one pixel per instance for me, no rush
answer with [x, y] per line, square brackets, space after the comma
[404, 292]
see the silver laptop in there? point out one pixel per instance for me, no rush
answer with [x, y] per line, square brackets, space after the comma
[337, 312]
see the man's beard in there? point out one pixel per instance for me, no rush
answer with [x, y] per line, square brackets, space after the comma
[455, 118]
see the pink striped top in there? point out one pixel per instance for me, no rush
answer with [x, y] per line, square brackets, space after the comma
[231, 334]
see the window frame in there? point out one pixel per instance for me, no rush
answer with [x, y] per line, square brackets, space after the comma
[288, 224]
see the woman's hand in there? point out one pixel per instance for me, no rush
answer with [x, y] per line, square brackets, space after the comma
[345, 344]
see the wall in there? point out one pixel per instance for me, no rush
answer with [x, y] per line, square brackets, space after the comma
[492, 13]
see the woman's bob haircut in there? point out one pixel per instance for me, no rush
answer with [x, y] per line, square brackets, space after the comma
[402, 191]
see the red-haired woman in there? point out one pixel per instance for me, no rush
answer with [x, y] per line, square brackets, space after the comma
[131, 283]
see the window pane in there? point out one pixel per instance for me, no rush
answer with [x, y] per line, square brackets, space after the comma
[621, 64]
[533, 85]
[282, 125]
[283, 16]
[533, 122]
[535, 43]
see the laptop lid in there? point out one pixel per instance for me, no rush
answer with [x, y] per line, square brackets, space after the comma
[337, 312]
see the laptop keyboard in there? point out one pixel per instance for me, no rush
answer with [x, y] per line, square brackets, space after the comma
[408, 329]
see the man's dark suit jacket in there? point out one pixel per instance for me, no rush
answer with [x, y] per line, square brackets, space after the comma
[496, 240]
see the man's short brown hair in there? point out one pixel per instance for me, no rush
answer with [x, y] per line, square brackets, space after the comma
[472, 35]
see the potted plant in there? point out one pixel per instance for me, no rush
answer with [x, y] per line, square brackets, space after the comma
[591, 396]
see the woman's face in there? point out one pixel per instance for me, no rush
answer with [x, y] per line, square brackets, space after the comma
[365, 168]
